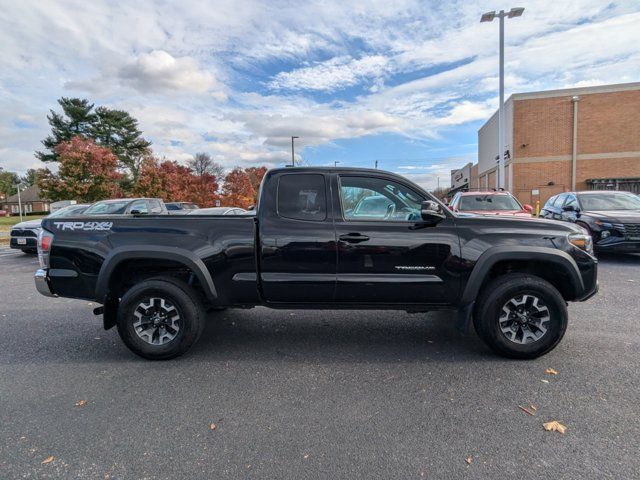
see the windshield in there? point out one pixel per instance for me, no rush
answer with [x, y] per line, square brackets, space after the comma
[105, 208]
[68, 211]
[609, 201]
[473, 203]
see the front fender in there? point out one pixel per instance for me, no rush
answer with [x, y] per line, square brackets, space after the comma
[493, 255]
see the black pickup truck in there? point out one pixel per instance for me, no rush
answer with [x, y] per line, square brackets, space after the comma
[322, 238]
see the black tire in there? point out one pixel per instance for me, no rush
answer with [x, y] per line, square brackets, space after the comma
[515, 288]
[174, 293]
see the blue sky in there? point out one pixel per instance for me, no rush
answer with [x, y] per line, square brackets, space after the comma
[407, 83]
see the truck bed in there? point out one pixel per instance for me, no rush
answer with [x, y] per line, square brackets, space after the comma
[87, 245]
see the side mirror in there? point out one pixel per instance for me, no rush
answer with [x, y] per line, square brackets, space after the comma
[137, 212]
[430, 211]
[568, 208]
[528, 208]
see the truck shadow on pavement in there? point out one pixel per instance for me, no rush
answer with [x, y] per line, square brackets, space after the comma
[337, 336]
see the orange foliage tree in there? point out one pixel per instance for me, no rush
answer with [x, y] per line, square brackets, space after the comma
[238, 190]
[173, 182]
[87, 172]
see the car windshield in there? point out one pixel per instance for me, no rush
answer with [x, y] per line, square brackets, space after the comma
[609, 201]
[105, 208]
[472, 203]
[68, 211]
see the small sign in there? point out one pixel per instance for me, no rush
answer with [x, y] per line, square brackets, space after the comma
[535, 192]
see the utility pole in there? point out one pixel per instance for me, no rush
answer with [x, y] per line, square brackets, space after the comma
[335, 163]
[293, 157]
[488, 17]
[376, 164]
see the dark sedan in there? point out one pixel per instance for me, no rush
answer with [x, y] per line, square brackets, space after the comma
[612, 218]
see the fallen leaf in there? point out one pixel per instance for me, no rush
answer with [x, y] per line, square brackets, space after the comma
[305, 456]
[551, 371]
[526, 410]
[469, 460]
[213, 426]
[81, 403]
[554, 426]
[544, 381]
[49, 459]
[534, 408]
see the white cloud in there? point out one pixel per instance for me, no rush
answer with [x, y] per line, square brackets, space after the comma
[239, 78]
[332, 75]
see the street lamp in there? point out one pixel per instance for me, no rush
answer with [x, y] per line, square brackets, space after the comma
[488, 17]
[293, 158]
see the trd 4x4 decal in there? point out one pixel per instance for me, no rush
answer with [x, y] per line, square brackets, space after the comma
[86, 226]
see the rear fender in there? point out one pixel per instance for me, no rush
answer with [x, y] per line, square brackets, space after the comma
[147, 252]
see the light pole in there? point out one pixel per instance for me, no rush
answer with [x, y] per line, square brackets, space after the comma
[335, 163]
[293, 158]
[19, 201]
[488, 17]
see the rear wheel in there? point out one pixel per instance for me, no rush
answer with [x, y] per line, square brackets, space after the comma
[160, 318]
[520, 316]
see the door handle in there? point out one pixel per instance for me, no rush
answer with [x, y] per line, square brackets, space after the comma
[353, 238]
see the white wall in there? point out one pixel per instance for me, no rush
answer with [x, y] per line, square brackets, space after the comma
[488, 138]
[461, 177]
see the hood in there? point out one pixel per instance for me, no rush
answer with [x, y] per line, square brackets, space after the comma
[506, 213]
[615, 216]
[29, 224]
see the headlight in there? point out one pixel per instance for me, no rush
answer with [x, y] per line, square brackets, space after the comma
[581, 240]
[602, 224]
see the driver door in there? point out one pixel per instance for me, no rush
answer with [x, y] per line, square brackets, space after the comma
[386, 253]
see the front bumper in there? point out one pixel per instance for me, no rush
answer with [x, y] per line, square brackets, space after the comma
[29, 243]
[613, 244]
[41, 279]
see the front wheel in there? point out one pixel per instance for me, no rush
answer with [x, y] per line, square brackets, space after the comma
[160, 318]
[520, 316]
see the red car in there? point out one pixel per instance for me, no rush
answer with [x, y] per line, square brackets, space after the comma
[490, 203]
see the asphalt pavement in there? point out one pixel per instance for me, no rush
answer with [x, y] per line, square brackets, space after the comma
[316, 394]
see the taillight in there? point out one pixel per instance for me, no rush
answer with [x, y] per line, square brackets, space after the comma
[45, 239]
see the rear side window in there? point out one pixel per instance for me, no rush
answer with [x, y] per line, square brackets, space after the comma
[155, 206]
[302, 197]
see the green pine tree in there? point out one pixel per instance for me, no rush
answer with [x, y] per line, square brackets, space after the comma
[75, 120]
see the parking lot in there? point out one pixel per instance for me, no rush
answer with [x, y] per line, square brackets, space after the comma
[292, 394]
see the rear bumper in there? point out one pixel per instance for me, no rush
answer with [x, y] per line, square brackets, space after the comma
[41, 279]
[30, 243]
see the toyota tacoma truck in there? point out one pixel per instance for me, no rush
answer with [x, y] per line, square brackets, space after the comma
[322, 238]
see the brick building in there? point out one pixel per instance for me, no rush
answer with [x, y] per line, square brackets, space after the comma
[541, 131]
[31, 202]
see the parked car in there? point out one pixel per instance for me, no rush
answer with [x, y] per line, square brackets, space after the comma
[180, 208]
[220, 211]
[612, 218]
[489, 203]
[126, 206]
[155, 277]
[4, 213]
[24, 235]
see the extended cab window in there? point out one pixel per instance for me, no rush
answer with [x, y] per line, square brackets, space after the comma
[302, 197]
[140, 206]
[365, 198]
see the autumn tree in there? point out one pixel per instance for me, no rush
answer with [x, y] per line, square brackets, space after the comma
[255, 177]
[87, 172]
[202, 163]
[238, 190]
